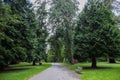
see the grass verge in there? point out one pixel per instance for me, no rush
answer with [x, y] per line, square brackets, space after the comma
[105, 71]
[22, 71]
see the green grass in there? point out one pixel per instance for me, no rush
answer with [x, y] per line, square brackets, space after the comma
[105, 71]
[22, 71]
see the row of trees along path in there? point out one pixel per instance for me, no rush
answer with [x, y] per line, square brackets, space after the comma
[85, 36]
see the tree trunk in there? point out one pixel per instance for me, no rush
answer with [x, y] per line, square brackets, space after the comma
[58, 60]
[69, 44]
[57, 55]
[94, 65]
[34, 62]
[111, 60]
[2, 67]
[40, 63]
[14, 62]
[71, 59]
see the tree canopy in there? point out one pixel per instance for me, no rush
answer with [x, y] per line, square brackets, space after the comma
[96, 33]
[26, 30]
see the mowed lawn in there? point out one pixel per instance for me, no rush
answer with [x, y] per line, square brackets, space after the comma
[105, 71]
[22, 71]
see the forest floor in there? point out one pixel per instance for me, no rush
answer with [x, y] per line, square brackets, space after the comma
[56, 72]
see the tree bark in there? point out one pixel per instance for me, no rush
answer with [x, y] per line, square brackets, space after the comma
[71, 59]
[34, 62]
[3, 67]
[69, 44]
[40, 63]
[94, 62]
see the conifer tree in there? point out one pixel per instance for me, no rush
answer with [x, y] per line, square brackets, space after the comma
[96, 32]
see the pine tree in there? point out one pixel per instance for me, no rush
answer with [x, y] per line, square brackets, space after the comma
[27, 27]
[42, 33]
[96, 33]
[8, 35]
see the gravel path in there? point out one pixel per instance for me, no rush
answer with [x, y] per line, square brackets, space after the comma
[56, 72]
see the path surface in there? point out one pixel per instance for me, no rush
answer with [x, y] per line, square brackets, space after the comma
[56, 72]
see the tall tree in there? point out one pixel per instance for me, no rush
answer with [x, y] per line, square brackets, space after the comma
[27, 27]
[10, 50]
[114, 6]
[62, 14]
[3, 37]
[96, 33]
[42, 33]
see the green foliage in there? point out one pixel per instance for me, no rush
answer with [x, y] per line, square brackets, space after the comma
[51, 56]
[62, 14]
[24, 34]
[56, 46]
[7, 32]
[42, 32]
[30, 30]
[96, 33]
[19, 40]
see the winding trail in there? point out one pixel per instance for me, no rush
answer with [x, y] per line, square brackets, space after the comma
[56, 72]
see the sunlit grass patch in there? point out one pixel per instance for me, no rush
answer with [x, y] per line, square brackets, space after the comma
[105, 71]
[22, 71]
